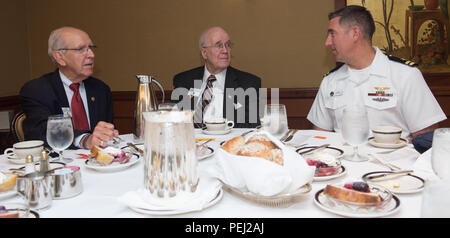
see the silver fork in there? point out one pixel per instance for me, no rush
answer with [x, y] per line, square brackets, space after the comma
[247, 132]
[283, 139]
[289, 138]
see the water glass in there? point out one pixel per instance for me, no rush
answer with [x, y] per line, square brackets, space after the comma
[170, 163]
[275, 120]
[355, 130]
[60, 134]
[440, 153]
[435, 199]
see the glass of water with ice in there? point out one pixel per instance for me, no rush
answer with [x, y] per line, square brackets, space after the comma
[275, 120]
[60, 134]
[355, 129]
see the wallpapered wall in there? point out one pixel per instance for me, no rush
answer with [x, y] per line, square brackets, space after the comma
[281, 41]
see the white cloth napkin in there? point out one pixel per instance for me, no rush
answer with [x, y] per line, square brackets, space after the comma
[207, 190]
[403, 158]
[264, 177]
[422, 167]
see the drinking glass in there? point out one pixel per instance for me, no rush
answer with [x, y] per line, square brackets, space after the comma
[275, 120]
[440, 153]
[60, 134]
[355, 129]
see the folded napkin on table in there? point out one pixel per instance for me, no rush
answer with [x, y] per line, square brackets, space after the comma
[207, 190]
[423, 168]
[261, 176]
[403, 158]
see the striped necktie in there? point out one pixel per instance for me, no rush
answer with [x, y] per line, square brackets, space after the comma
[79, 117]
[207, 96]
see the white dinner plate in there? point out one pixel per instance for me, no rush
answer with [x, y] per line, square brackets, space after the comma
[205, 131]
[213, 201]
[115, 166]
[388, 209]
[397, 184]
[342, 172]
[8, 194]
[210, 152]
[402, 142]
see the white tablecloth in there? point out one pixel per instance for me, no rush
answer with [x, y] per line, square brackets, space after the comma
[101, 190]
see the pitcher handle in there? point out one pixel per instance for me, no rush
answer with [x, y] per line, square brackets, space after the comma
[160, 87]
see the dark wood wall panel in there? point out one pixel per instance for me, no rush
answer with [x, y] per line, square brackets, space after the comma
[298, 101]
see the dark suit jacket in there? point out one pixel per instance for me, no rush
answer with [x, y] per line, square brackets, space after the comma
[45, 96]
[235, 79]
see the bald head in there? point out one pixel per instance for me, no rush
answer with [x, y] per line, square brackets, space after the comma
[58, 39]
[215, 47]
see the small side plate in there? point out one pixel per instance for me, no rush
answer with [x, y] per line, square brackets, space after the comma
[402, 184]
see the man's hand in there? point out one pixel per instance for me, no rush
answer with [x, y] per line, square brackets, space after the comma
[103, 132]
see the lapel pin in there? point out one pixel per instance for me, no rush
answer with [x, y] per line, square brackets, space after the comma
[93, 99]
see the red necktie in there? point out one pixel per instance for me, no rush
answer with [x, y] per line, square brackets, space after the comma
[79, 117]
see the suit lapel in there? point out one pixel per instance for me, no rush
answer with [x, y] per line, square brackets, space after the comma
[59, 90]
[231, 83]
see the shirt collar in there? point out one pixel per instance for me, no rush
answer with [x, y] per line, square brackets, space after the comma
[220, 77]
[66, 81]
[378, 66]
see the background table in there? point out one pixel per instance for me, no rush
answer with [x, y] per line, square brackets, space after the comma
[99, 198]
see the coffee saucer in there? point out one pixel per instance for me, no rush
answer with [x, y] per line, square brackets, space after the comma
[205, 131]
[400, 143]
[12, 158]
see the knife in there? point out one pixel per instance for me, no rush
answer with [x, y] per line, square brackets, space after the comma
[135, 147]
[403, 172]
[318, 148]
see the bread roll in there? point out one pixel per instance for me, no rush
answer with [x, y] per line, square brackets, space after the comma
[234, 144]
[9, 182]
[256, 146]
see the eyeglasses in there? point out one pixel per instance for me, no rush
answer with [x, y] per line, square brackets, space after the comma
[82, 50]
[219, 46]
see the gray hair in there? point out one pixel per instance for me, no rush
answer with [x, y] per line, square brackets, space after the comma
[201, 42]
[55, 42]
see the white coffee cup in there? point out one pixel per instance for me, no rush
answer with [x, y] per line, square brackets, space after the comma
[21, 149]
[218, 124]
[387, 134]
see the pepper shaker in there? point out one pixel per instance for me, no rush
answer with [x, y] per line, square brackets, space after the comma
[43, 162]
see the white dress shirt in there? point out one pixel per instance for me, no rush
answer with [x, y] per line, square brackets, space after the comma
[215, 107]
[69, 93]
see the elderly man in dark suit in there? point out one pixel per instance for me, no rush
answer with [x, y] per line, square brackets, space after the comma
[217, 90]
[70, 89]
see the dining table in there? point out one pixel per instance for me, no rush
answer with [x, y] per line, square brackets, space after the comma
[102, 189]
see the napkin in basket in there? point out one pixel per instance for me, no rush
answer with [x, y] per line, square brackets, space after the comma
[207, 190]
[261, 176]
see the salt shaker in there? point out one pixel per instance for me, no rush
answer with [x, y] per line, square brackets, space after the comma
[43, 162]
[29, 164]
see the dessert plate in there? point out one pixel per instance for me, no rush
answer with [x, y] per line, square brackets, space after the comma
[402, 142]
[336, 152]
[324, 203]
[341, 172]
[8, 194]
[402, 184]
[209, 152]
[205, 131]
[115, 166]
[212, 202]
[33, 214]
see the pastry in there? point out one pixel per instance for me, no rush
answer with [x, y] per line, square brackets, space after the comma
[357, 192]
[109, 155]
[4, 213]
[7, 181]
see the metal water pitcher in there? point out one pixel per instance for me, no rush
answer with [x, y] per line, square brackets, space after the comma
[145, 102]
